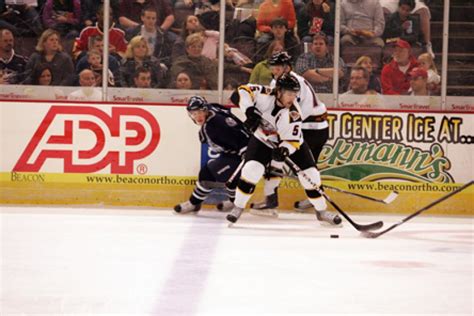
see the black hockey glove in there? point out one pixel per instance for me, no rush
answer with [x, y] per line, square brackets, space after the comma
[253, 118]
[280, 153]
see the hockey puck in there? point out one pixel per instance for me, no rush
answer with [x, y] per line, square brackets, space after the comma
[334, 236]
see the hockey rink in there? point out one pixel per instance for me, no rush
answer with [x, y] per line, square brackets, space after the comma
[122, 261]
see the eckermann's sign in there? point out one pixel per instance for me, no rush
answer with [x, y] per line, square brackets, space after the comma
[369, 147]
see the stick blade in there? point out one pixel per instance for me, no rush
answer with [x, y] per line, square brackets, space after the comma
[391, 197]
[368, 234]
[373, 226]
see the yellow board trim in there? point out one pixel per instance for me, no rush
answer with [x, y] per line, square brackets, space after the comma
[167, 191]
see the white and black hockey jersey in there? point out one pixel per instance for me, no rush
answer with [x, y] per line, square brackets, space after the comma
[279, 125]
[224, 132]
[313, 111]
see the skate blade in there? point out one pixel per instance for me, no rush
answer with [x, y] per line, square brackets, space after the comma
[265, 213]
[306, 210]
[329, 225]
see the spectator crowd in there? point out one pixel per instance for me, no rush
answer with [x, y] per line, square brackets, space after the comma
[385, 44]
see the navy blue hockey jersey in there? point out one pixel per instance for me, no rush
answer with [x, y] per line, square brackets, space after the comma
[224, 132]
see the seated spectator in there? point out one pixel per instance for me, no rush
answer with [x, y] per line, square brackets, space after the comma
[395, 75]
[210, 18]
[20, 19]
[314, 17]
[182, 81]
[117, 42]
[63, 16]
[419, 82]
[50, 52]
[317, 66]
[138, 55]
[42, 75]
[142, 78]
[359, 82]
[88, 91]
[210, 46]
[130, 11]
[96, 42]
[421, 9]
[94, 59]
[261, 73]
[12, 64]
[362, 22]
[202, 70]
[426, 62]
[160, 43]
[192, 26]
[374, 80]
[268, 11]
[401, 25]
[89, 10]
[279, 31]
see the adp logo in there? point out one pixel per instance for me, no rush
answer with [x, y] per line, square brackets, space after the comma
[88, 139]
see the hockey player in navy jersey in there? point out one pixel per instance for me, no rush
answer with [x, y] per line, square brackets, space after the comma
[275, 117]
[225, 135]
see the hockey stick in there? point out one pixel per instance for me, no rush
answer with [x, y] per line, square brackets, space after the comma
[389, 199]
[406, 219]
[297, 170]
[359, 227]
[236, 172]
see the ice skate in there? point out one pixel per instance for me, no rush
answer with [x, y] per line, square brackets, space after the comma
[225, 206]
[186, 207]
[266, 207]
[302, 206]
[234, 215]
[328, 217]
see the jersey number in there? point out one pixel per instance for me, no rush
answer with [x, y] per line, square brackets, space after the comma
[296, 130]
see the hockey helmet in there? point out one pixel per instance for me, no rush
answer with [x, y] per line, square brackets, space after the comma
[288, 82]
[197, 103]
[280, 58]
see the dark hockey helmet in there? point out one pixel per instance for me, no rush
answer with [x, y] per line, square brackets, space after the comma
[197, 103]
[281, 58]
[288, 82]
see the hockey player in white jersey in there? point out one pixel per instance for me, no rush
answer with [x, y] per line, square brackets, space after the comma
[315, 130]
[275, 117]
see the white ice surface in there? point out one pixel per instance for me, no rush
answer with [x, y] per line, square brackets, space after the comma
[90, 261]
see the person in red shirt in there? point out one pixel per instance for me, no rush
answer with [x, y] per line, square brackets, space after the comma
[395, 75]
[118, 44]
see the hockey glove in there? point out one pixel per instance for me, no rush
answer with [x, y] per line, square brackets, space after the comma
[253, 118]
[280, 153]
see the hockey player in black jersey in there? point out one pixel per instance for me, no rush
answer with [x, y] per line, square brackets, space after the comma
[276, 117]
[225, 135]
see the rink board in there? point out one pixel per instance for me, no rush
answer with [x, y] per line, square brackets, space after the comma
[83, 153]
[148, 191]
